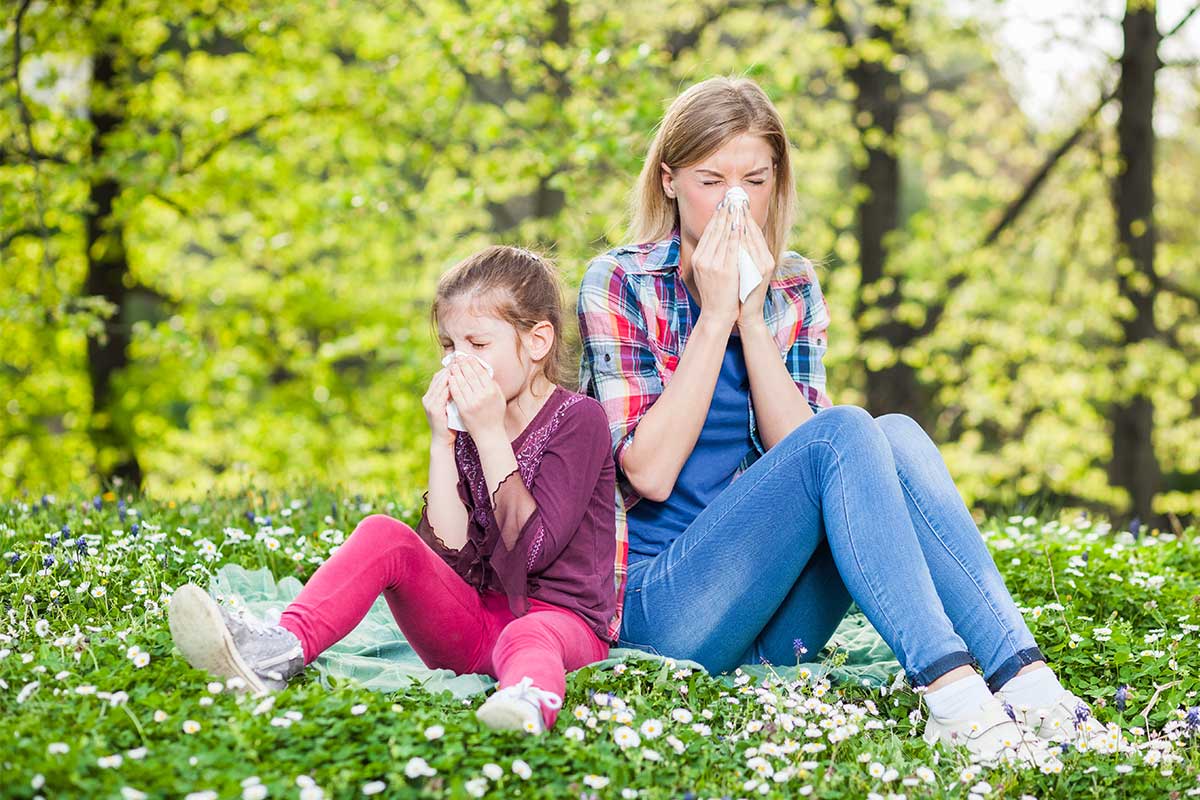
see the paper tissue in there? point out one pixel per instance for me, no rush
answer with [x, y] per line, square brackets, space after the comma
[453, 420]
[748, 274]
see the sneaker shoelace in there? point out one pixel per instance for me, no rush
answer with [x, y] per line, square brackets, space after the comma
[525, 690]
[260, 629]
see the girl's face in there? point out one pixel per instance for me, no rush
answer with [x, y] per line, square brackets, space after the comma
[746, 161]
[468, 326]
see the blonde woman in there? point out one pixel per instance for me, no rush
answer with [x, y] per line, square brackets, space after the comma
[751, 512]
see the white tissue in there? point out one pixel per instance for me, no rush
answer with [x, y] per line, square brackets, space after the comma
[748, 274]
[453, 420]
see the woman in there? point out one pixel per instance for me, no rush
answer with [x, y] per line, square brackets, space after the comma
[755, 512]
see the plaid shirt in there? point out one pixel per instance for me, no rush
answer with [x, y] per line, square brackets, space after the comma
[634, 320]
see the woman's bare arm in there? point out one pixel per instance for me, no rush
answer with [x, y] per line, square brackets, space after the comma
[667, 433]
[779, 405]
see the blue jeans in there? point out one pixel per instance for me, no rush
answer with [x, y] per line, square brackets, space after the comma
[845, 508]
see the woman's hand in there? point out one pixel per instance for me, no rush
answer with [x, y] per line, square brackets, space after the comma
[481, 402]
[435, 400]
[714, 265]
[751, 310]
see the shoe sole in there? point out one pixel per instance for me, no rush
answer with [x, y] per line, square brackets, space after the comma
[502, 717]
[203, 639]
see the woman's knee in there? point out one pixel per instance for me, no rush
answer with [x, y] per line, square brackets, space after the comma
[903, 433]
[839, 424]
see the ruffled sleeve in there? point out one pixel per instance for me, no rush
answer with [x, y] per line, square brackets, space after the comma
[532, 524]
[466, 560]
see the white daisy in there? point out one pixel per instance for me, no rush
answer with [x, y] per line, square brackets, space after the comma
[626, 737]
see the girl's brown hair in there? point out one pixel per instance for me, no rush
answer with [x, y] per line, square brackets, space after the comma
[518, 286]
[699, 122]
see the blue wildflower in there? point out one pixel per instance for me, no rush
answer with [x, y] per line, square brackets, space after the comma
[1082, 713]
[14, 558]
[1135, 526]
[1192, 719]
[65, 530]
[81, 545]
[1122, 697]
[52, 539]
[134, 528]
[1008, 709]
[121, 510]
[798, 647]
[48, 562]
[97, 502]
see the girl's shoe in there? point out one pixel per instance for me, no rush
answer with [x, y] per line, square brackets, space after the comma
[231, 645]
[1065, 720]
[517, 707]
[987, 734]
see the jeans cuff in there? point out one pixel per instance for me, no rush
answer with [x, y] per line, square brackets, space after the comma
[1009, 669]
[939, 668]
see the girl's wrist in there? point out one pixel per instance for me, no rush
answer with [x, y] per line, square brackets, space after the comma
[439, 444]
[491, 437]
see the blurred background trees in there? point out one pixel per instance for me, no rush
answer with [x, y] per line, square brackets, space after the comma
[220, 224]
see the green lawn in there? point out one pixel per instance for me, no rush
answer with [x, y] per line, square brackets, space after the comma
[96, 704]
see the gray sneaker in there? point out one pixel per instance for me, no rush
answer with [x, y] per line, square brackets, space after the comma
[233, 645]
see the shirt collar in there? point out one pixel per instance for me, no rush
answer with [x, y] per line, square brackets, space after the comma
[654, 257]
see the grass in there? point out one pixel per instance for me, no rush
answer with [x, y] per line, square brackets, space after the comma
[96, 704]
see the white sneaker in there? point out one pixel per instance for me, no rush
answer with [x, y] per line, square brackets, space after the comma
[1064, 720]
[517, 707]
[987, 734]
[230, 645]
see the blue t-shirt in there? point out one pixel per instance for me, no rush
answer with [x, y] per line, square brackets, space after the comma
[723, 443]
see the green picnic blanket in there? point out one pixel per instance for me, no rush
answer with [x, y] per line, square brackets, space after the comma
[376, 655]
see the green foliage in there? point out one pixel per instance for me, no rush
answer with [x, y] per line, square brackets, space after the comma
[292, 177]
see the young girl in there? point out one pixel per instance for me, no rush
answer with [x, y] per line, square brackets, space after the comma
[510, 570]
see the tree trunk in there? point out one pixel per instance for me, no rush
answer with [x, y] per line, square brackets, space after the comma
[108, 269]
[1134, 465]
[894, 388]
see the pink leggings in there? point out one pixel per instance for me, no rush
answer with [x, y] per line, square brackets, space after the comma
[447, 621]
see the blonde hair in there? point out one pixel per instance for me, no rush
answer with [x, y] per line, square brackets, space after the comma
[698, 123]
[520, 287]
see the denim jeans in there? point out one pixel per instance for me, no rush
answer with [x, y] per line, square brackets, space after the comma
[846, 508]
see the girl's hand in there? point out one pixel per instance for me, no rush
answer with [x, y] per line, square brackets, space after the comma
[751, 311]
[481, 403]
[714, 265]
[435, 400]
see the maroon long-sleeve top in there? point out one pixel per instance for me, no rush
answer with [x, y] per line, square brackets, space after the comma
[549, 530]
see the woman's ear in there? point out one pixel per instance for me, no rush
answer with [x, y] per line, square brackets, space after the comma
[668, 180]
[539, 339]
